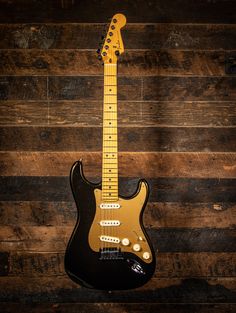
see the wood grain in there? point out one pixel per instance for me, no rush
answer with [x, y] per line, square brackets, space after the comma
[89, 87]
[130, 113]
[132, 63]
[9, 307]
[23, 188]
[156, 214]
[187, 11]
[170, 290]
[169, 265]
[163, 139]
[87, 36]
[189, 88]
[148, 164]
[24, 88]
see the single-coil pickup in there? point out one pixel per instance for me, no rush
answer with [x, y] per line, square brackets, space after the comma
[110, 239]
[109, 223]
[109, 205]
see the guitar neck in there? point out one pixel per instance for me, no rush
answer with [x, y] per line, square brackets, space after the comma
[110, 136]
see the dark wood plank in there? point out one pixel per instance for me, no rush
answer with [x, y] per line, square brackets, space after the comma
[150, 36]
[132, 63]
[163, 164]
[188, 11]
[55, 238]
[25, 88]
[145, 113]
[61, 289]
[154, 88]
[189, 88]
[9, 307]
[164, 139]
[90, 88]
[23, 188]
[156, 214]
[14, 112]
[169, 265]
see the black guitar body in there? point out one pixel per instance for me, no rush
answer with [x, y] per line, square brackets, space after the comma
[85, 266]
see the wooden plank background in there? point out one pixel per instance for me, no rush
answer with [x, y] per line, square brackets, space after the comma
[177, 120]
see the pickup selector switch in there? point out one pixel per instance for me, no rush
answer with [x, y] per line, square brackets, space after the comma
[136, 247]
[125, 241]
[146, 255]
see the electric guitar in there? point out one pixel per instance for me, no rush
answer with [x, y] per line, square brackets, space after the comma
[109, 248]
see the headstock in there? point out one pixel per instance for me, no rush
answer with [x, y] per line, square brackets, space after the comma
[113, 44]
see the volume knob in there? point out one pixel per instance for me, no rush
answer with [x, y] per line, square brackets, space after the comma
[146, 255]
[136, 247]
[125, 242]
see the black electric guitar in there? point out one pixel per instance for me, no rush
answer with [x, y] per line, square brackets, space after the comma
[109, 248]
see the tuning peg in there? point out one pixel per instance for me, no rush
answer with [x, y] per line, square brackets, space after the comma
[99, 57]
[117, 52]
[98, 51]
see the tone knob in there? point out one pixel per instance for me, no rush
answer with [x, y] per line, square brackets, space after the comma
[146, 255]
[136, 247]
[125, 241]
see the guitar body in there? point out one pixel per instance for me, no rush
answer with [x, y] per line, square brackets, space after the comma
[108, 266]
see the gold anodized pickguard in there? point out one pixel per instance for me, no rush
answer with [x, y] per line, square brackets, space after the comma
[128, 214]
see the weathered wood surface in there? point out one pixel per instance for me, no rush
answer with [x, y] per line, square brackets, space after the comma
[163, 139]
[132, 63]
[167, 290]
[55, 238]
[130, 113]
[136, 36]
[23, 188]
[169, 265]
[157, 214]
[8, 307]
[189, 11]
[89, 88]
[144, 164]
[189, 88]
[23, 87]
[154, 88]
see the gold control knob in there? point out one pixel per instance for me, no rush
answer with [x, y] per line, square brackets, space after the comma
[136, 247]
[146, 255]
[125, 241]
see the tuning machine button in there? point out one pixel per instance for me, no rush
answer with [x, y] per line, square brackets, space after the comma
[136, 247]
[146, 255]
[125, 241]
[111, 33]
